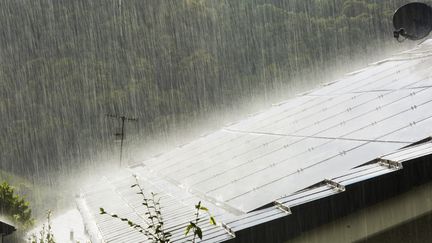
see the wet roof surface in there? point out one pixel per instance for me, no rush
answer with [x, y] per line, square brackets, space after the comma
[280, 154]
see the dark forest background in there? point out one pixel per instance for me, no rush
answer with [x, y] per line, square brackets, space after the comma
[65, 64]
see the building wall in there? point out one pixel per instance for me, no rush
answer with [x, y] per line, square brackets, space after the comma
[408, 215]
[417, 230]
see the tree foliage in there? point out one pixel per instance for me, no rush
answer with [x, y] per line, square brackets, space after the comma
[14, 207]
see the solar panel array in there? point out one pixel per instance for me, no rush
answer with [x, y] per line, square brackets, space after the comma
[310, 137]
[276, 154]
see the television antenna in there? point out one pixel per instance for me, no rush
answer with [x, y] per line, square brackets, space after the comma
[121, 134]
[412, 21]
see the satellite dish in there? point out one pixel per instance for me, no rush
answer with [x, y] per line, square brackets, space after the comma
[413, 21]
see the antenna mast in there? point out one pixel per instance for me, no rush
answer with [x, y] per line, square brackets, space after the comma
[122, 133]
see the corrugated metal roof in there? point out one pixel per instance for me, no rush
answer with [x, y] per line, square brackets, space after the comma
[282, 156]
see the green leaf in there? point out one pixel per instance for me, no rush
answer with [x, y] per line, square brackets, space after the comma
[212, 220]
[102, 211]
[203, 208]
[188, 228]
[198, 232]
[134, 185]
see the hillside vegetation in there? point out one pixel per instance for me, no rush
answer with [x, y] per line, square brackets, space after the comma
[65, 64]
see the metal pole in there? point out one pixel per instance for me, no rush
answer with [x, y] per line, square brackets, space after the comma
[123, 118]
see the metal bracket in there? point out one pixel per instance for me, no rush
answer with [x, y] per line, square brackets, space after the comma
[334, 185]
[228, 229]
[282, 207]
[390, 164]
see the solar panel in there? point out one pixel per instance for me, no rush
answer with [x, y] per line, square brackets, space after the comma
[366, 77]
[329, 116]
[316, 171]
[395, 116]
[411, 152]
[413, 130]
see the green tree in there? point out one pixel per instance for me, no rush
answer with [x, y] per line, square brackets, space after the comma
[15, 207]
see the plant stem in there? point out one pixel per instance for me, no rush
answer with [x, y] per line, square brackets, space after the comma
[157, 237]
[196, 220]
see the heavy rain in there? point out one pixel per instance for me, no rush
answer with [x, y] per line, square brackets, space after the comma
[91, 87]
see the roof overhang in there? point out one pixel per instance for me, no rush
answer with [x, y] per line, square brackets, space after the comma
[6, 229]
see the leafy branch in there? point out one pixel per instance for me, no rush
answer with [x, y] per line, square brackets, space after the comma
[155, 231]
[194, 225]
